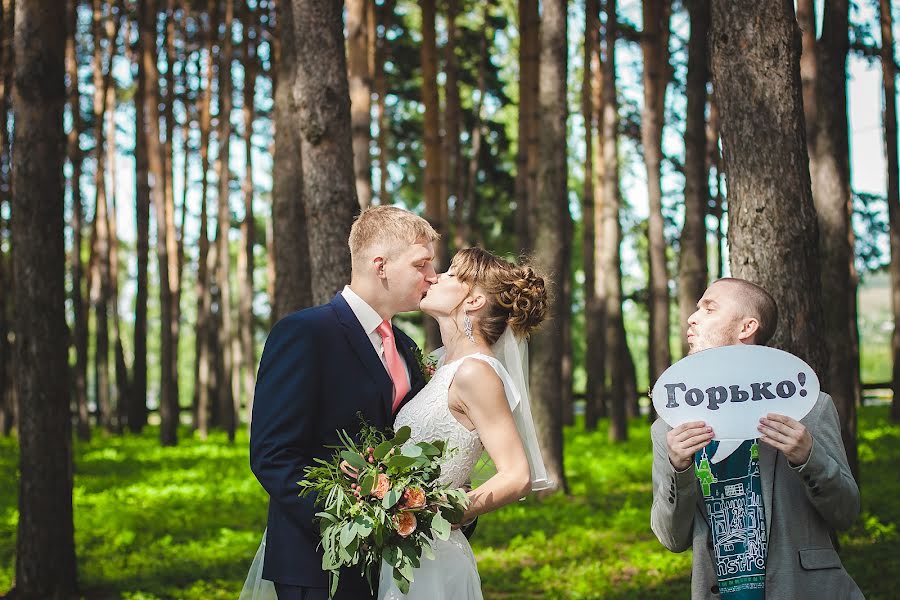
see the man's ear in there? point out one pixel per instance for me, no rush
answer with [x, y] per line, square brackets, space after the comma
[378, 263]
[749, 329]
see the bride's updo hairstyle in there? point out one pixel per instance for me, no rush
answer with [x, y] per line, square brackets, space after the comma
[517, 296]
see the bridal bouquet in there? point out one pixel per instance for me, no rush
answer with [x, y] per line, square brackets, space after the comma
[380, 501]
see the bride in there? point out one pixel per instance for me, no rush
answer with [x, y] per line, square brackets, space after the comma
[477, 400]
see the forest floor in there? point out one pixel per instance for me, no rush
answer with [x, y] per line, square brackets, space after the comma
[185, 522]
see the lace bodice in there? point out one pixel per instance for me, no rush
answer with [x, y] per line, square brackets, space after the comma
[429, 418]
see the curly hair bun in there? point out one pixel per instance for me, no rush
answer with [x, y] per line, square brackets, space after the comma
[526, 298]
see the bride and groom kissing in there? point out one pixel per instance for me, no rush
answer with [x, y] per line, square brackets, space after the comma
[324, 367]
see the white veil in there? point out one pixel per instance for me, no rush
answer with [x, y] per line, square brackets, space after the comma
[513, 355]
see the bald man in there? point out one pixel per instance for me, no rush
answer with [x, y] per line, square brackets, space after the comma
[760, 522]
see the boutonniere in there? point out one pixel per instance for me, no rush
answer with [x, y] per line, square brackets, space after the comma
[427, 364]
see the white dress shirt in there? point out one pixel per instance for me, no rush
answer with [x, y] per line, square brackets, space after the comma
[370, 320]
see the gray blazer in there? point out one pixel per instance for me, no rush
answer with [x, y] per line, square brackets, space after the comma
[802, 506]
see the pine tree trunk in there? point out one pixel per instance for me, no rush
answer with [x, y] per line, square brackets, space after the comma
[202, 352]
[380, 15]
[432, 144]
[592, 106]
[889, 76]
[467, 206]
[7, 373]
[360, 84]
[451, 188]
[655, 46]
[137, 412]
[168, 405]
[611, 236]
[222, 272]
[79, 311]
[692, 260]
[321, 92]
[772, 228]
[169, 156]
[527, 160]
[546, 220]
[100, 247]
[122, 377]
[248, 226]
[45, 547]
[293, 286]
[829, 165]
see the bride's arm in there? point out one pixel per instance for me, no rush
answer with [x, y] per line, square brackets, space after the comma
[478, 396]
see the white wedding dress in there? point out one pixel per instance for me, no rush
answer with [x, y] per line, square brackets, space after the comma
[453, 574]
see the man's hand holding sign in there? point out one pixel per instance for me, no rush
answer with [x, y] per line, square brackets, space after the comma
[748, 465]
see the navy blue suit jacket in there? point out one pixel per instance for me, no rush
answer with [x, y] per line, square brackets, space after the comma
[318, 371]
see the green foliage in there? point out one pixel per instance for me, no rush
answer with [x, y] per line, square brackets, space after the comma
[185, 522]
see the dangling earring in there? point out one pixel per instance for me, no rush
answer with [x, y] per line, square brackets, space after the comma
[467, 325]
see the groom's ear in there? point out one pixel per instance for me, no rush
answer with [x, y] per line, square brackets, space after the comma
[378, 263]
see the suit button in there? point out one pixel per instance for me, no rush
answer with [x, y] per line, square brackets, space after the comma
[671, 500]
[811, 484]
[714, 589]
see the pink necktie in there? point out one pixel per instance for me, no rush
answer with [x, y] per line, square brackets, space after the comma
[394, 364]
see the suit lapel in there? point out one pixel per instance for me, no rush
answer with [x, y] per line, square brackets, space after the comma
[361, 345]
[768, 456]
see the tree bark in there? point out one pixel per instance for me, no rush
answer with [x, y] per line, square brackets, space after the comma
[655, 46]
[547, 219]
[321, 92]
[451, 188]
[381, 14]
[434, 209]
[829, 165]
[360, 84]
[226, 400]
[203, 359]
[293, 286]
[103, 30]
[137, 412]
[692, 260]
[79, 311]
[121, 368]
[611, 236]
[168, 405]
[7, 373]
[772, 232]
[172, 234]
[594, 312]
[45, 546]
[467, 206]
[889, 78]
[248, 226]
[526, 161]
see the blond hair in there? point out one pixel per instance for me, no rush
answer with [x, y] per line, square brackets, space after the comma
[517, 296]
[390, 227]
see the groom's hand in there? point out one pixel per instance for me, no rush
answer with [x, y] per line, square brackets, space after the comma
[686, 439]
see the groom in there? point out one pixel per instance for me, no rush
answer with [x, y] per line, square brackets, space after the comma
[320, 369]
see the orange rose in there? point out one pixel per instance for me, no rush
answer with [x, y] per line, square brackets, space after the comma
[382, 486]
[413, 498]
[405, 523]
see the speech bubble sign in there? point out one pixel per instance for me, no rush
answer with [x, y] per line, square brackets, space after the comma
[731, 388]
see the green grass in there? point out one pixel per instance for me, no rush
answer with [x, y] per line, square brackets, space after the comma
[185, 522]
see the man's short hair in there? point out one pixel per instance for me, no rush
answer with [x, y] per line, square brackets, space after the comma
[760, 304]
[390, 227]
